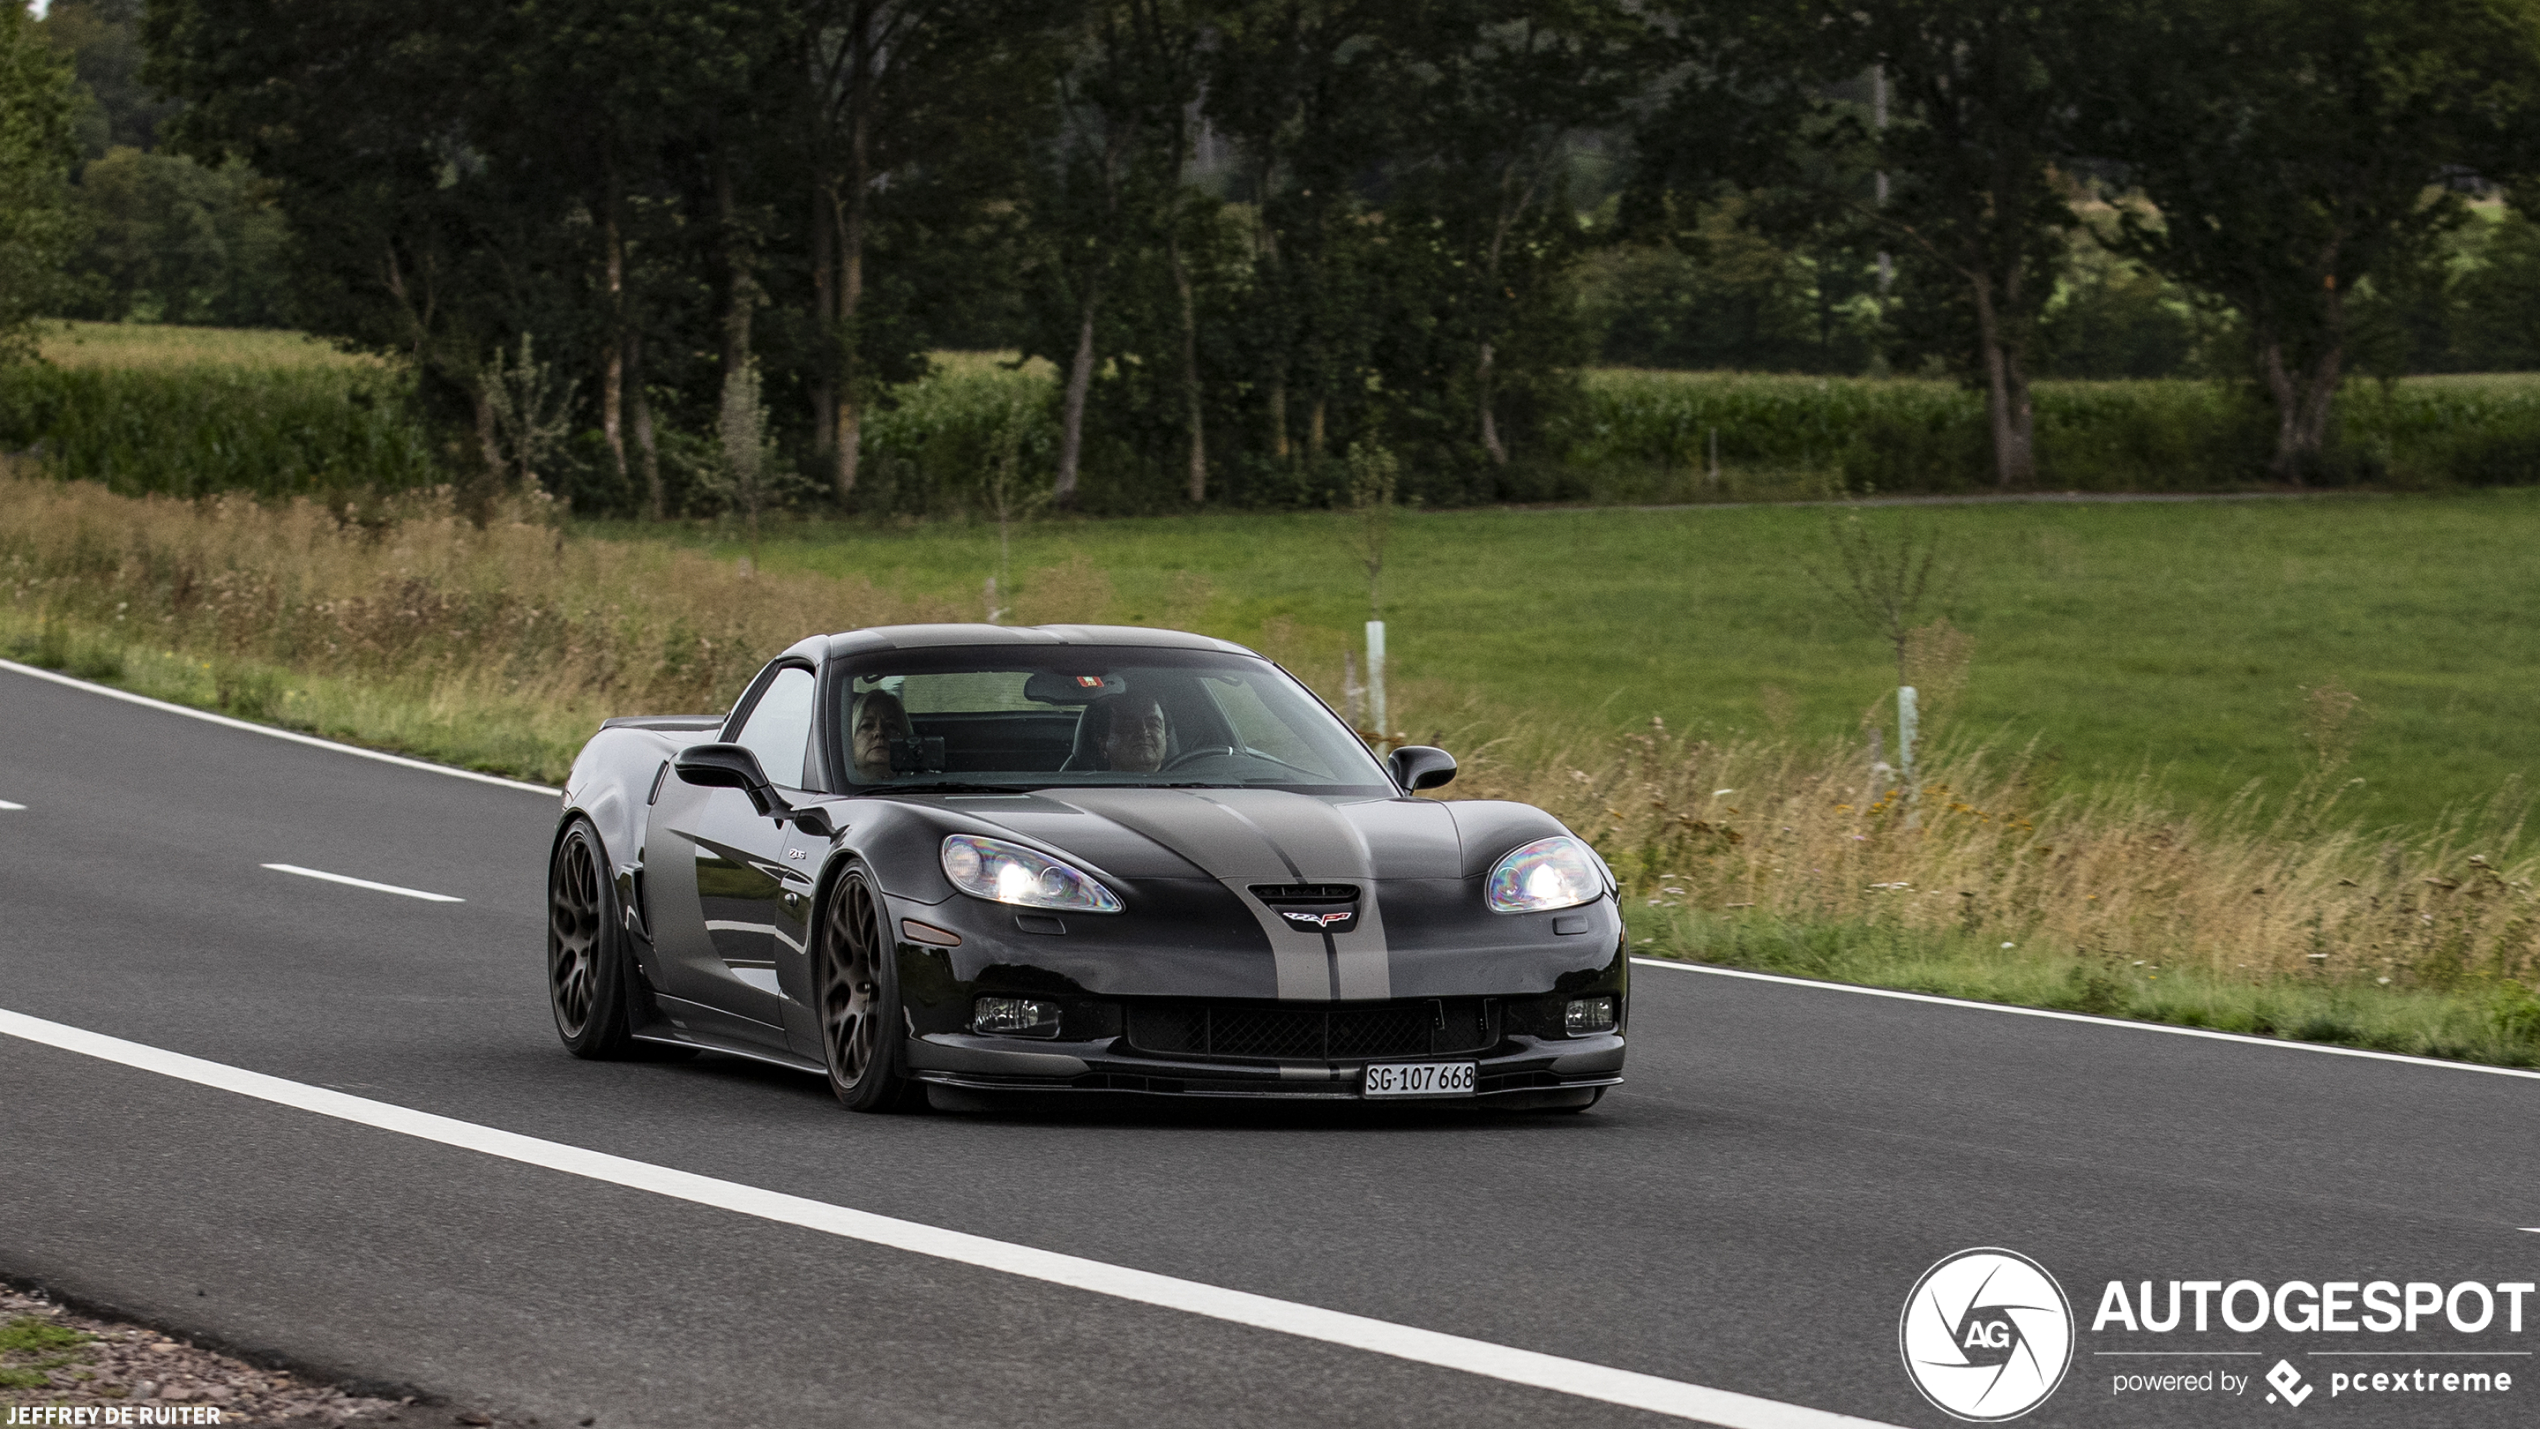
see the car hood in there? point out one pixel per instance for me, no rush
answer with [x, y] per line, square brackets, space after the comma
[1252, 835]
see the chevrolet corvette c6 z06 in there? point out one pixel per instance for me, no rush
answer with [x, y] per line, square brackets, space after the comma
[951, 860]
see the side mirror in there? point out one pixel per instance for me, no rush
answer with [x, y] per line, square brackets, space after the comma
[732, 766]
[1418, 766]
[726, 766]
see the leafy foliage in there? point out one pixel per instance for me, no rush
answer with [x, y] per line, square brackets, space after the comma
[36, 152]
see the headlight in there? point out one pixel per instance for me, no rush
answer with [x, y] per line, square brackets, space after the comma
[1558, 872]
[1002, 872]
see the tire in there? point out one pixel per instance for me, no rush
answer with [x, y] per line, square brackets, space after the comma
[589, 977]
[858, 999]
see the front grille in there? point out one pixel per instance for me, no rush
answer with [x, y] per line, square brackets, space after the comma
[1274, 1032]
[1276, 894]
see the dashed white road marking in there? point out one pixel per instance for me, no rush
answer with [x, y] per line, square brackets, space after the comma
[5, 804]
[352, 882]
[1576, 1378]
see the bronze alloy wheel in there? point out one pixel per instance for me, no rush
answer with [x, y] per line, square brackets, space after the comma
[859, 998]
[574, 926]
[590, 977]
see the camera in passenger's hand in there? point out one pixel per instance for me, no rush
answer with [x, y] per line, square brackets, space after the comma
[917, 756]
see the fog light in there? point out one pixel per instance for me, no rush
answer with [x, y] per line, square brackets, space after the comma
[1588, 1014]
[1015, 1017]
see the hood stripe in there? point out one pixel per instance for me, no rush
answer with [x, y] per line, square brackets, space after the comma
[1245, 836]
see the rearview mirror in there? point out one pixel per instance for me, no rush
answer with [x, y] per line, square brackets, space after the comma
[1419, 766]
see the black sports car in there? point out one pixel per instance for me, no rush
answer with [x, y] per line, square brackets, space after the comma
[1072, 858]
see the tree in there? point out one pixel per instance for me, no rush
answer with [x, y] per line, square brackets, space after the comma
[169, 240]
[37, 106]
[103, 39]
[1770, 100]
[1515, 83]
[914, 110]
[2296, 150]
[1319, 95]
[1109, 177]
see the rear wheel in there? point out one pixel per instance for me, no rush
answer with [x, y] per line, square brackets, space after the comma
[587, 974]
[859, 988]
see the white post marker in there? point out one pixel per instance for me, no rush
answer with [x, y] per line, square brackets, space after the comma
[1376, 680]
[1908, 719]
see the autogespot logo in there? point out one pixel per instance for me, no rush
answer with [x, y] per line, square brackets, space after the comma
[1987, 1335]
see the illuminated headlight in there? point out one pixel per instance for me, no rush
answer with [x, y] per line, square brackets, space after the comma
[1014, 1017]
[1557, 872]
[1587, 1016]
[1010, 873]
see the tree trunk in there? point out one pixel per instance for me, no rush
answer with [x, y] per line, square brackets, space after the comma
[739, 290]
[1190, 358]
[2304, 402]
[1314, 430]
[1490, 421]
[487, 440]
[1509, 212]
[2008, 410]
[741, 293]
[642, 418]
[1080, 381]
[852, 217]
[1190, 310]
[824, 317]
[613, 374]
[1266, 261]
[1080, 370]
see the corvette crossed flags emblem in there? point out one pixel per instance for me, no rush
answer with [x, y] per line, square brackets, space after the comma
[1317, 920]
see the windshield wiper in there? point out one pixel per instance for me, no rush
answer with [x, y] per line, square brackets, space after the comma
[952, 786]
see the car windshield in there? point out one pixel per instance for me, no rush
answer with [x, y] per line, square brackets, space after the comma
[1042, 717]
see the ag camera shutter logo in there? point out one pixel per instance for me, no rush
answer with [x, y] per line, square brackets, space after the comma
[1986, 1335]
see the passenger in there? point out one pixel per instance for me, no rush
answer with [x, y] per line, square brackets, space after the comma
[879, 719]
[1127, 732]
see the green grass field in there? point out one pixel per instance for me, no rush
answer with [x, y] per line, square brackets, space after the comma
[2171, 638]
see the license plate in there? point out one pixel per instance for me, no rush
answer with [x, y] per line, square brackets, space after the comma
[1420, 1079]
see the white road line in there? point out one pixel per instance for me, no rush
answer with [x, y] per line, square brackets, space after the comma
[1478, 1357]
[5, 804]
[292, 735]
[2114, 1022]
[351, 882]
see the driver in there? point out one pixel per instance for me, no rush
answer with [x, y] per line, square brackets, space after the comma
[879, 719]
[1129, 731]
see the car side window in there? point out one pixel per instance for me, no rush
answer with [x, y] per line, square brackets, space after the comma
[778, 730]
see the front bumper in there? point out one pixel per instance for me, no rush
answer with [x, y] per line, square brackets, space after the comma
[1517, 1067]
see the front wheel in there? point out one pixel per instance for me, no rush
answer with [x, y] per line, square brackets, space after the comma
[859, 987]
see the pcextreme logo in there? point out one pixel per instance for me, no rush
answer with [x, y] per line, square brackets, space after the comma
[1986, 1335]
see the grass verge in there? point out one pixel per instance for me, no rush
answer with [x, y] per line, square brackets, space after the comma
[2491, 1020]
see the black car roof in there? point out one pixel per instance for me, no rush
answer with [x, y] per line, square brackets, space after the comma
[934, 637]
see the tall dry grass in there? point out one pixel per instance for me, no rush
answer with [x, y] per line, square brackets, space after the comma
[2118, 879]
[512, 620]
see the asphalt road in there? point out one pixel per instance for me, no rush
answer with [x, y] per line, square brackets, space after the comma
[1747, 1213]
